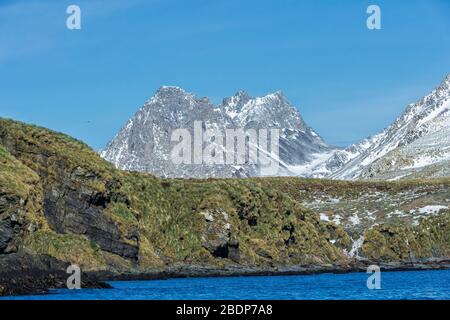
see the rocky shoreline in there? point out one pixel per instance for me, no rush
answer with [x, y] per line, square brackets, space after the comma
[28, 279]
[61, 204]
[23, 274]
[195, 271]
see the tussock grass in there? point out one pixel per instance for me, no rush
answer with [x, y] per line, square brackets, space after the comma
[265, 215]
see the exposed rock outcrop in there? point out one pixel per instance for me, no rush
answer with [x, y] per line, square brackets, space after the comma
[60, 204]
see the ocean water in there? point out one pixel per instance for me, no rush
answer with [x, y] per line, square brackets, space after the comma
[394, 285]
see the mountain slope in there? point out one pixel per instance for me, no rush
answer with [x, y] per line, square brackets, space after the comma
[416, 140]
[72, 205]
[144, 144]
[415, 145]
[397, 219]
[299, 144]
[61, 202]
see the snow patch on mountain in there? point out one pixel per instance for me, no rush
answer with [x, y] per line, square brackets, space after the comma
[418, 138]
[417, 144]
[432, 209]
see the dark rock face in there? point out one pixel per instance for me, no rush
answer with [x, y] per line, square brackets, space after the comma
[81, 212]
[10, 226]
[70, 204]
[217, 237]
[22, 274]
[291, 239]
[233, 251]
[228, 250]
[6, 234]
[8, 229]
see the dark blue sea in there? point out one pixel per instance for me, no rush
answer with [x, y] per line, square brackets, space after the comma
[394, 285]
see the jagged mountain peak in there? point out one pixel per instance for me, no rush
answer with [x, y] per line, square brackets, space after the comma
[171, 92]
[429, 101]
[279, 94]
[271, 110]
[273, 100]
[144, 143]
[172, 103]
[445, 84]
[418, 137]
[424, 118]
[171, 89]
[243, 109]
[420, 116]
[233, 105]
[242, 95]
[168, 93]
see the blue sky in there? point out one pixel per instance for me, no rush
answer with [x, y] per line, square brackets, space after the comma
[347, 81]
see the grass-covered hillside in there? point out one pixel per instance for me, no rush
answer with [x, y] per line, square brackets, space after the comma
[87, 212]
[396, 220]
[59, 198]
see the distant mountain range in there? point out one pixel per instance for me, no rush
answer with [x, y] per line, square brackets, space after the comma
[144, 144]
[416, 145]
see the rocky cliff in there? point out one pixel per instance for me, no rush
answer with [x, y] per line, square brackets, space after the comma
[76, 207]
[60, 200]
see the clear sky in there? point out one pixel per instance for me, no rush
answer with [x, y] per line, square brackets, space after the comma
[347, 81]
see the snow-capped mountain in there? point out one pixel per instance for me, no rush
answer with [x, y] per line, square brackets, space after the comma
[144, 143]
[300, 145]
[417, 144]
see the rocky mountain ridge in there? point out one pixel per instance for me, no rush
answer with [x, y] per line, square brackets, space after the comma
[410, 147]
[144, 144]
[416, 145]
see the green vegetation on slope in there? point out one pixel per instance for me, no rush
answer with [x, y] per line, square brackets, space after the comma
[16, 179]
[210, 222]
[387, 242]
[397, 220]
[103, 218]
[20, 199]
